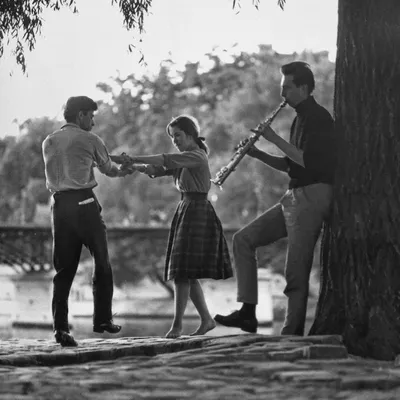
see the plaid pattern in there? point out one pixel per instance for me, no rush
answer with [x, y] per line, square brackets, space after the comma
[196, 246]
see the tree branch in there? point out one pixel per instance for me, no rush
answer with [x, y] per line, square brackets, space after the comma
[236, 3]
[21, 22]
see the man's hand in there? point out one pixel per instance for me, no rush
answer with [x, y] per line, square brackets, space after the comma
[267, 132]
[130, 168]
[253, 151]
[141, 168]
[124, 171]
[122, 159]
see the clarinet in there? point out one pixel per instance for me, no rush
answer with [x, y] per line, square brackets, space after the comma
[243, 148]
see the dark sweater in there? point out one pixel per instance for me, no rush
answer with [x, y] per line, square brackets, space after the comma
[312, 131]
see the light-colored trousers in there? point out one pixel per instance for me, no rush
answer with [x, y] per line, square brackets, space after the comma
[299, 215]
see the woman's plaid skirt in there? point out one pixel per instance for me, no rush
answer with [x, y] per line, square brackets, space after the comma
[197, 247]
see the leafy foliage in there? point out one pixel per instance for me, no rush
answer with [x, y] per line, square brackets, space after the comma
[21, 21]
[22, 183]
[236, 3]
[229, 98]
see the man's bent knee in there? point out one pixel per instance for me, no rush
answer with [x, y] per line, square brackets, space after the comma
[240, 239]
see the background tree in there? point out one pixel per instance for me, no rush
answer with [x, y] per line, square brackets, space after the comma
[137, 111]
[360, 295]
[133, 119]
[228, 98]
[22, 183]
[360, 280]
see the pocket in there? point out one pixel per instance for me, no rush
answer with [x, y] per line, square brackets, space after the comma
[91, 201]
[307, 193]
[87, 209]
[88, 216]
[87, 201]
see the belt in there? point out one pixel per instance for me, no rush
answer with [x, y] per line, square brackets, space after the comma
[74, 191]
[81, 196]
[193, 196]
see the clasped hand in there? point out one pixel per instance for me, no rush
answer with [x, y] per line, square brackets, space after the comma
[127, 164]
[252, 151]
[122, 159]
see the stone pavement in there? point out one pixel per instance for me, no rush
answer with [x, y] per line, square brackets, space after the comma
[247, 366]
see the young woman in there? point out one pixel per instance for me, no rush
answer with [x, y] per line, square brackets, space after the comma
[197, 248]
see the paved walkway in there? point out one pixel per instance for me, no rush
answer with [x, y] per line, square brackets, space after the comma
[229, 367]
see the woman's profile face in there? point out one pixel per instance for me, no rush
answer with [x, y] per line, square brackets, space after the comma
[180, 139]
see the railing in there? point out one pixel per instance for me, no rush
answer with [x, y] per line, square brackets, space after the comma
[28, 248]
[25, 248]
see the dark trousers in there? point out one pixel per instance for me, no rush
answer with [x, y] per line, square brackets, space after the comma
[74, 225]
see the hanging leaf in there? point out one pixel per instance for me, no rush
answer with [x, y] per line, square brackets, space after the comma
[21, 21]
[281, 3]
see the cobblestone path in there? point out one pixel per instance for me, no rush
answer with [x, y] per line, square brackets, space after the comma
[228, 367]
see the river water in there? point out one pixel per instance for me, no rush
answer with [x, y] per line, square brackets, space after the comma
[148, 313]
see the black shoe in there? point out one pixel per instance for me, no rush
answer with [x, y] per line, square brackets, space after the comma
[65, 338]
[237, 320]
[108, 327]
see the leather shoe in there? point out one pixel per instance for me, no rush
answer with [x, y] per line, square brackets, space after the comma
[65, 338]
[109, 327]
[238, 320]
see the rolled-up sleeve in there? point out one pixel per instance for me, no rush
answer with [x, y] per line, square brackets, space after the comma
[159, 171]
[101, 155]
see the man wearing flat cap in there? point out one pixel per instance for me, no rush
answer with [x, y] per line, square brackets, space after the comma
[70, 155]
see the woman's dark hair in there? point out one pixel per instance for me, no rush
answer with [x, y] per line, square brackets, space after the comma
[190, 126]
[302, 74]
[76, 104]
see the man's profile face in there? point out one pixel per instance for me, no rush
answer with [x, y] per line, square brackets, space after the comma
[291, 93]
[85, 120]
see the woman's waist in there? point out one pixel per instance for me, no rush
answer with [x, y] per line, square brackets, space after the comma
[194, 196]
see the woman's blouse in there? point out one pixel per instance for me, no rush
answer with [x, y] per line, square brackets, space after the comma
[189, 169]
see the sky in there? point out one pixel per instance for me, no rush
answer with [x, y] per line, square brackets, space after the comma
[77, 51]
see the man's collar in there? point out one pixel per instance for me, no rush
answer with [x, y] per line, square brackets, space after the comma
[71, 124]
[305, 104]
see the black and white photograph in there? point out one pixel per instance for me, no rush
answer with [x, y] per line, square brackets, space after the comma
[199, 199]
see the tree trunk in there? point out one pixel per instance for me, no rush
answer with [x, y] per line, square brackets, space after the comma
[360, 276]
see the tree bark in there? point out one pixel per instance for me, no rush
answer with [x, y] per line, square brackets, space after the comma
[360, 275]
